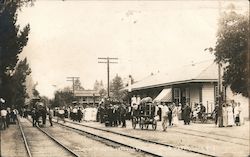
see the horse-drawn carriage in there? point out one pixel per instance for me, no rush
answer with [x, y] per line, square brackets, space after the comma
[144, 114]
[38, 112]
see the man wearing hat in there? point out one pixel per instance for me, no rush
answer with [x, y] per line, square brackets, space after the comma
[165, 112]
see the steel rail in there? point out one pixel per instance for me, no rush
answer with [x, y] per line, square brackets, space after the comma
[218, 139]
[107, 139]
[137, 138]
[56, 141]
[213, 134]
[24, 138]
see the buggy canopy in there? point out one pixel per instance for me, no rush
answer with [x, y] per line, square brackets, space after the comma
[146, 100]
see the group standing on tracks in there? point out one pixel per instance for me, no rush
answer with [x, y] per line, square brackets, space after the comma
[113, 113]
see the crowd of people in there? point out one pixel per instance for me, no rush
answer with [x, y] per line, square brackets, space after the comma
[171, 113]
[231, 114]
[112, 113]
[8, 116]
[39, 115]
[40, 112]
[116, 113]
[198, 112]
[75, 113]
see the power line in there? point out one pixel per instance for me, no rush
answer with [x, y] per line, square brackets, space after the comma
[73, 79]
[106, 60]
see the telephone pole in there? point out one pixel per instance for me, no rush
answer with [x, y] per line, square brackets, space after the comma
[73, 79]
[107, 61]
[220, 100]
[220, 96]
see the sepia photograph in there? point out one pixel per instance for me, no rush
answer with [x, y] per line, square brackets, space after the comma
[124, 78]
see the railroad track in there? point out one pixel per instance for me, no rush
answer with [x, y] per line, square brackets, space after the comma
[218, 137]
[143, 145]
[89, 145]
[39, 143]
[216, 134]
[192, 132]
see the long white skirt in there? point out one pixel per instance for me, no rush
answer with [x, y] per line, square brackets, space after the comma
[230, 118]
[175, 120]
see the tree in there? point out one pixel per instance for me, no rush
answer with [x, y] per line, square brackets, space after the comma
[99, 87]
[103, 92]
[96, 85]
[12, 41]
[116, 87]
[18, 80]
[231, 50]
[77, 85]
[63, 98]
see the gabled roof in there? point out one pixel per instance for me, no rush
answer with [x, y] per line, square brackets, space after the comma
[197, 72]
[86, 93]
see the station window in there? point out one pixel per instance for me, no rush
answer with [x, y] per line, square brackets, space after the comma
[187, 94]
[177, 95]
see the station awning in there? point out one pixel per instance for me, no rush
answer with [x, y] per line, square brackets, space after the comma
[164, 96]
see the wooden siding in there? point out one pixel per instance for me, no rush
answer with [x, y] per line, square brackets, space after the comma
[208, 99]
[194, 95]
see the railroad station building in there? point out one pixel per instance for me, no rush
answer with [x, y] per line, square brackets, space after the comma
[192, 84]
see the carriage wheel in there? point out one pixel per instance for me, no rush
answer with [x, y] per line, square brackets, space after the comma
[204, 119]
[134, 121]
[193, 119]
[154, 124]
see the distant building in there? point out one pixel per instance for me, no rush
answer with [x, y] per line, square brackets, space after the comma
[192, 84]
[87, 97]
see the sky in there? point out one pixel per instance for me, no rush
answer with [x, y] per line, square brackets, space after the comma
[67, 37]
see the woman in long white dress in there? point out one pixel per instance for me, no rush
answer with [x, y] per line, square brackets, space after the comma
[224, 115]
[240, 115]
[230, 115]
[175, 120]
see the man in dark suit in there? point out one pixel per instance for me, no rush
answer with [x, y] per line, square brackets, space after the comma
[186, 114]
